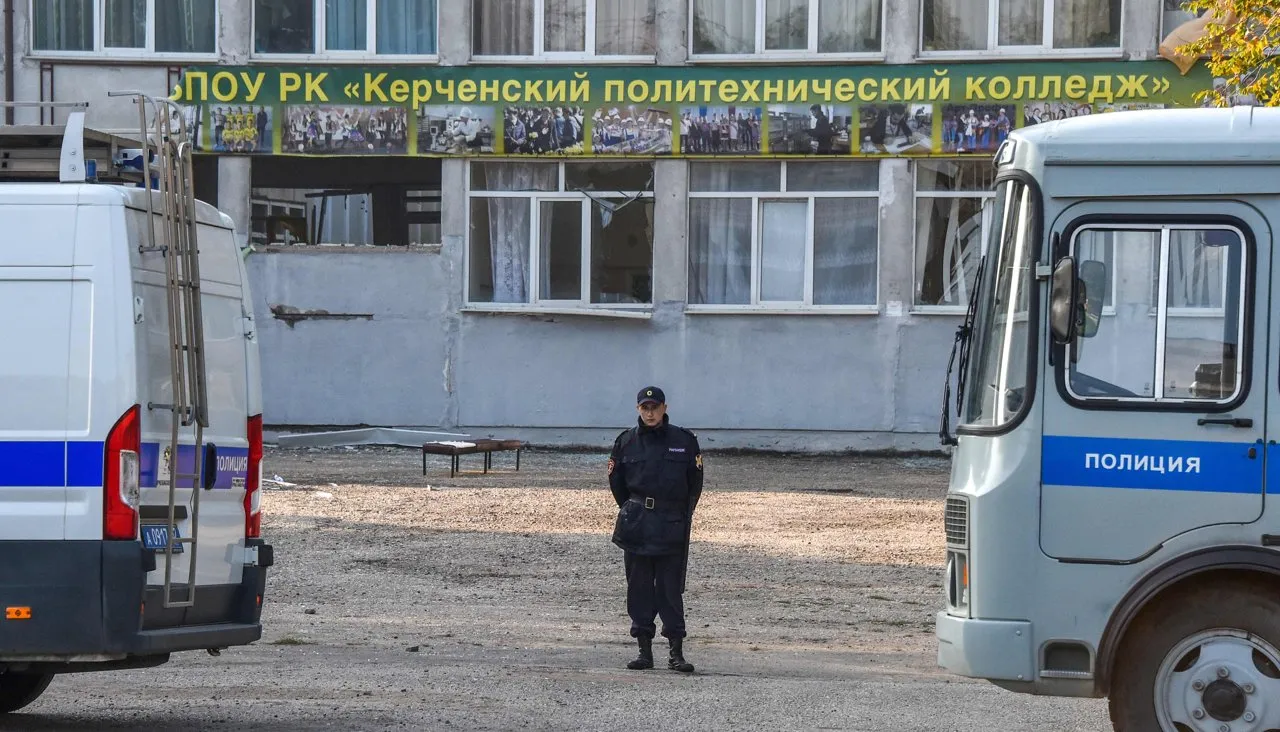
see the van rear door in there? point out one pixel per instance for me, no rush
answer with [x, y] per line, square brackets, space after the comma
[220, 533]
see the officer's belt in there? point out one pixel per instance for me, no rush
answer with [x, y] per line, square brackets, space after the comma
[655, 505]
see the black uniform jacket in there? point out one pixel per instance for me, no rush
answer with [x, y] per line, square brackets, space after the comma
[656, 478]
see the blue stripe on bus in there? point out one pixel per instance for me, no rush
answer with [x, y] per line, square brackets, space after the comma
[58, 464]
[1170, 465]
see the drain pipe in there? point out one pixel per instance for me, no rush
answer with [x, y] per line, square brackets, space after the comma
[8, 60]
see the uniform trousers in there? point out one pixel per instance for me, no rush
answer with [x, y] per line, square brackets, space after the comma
[655, 587]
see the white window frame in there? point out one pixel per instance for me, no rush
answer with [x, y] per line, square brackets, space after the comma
[1162, 312]
[987, 197]
[809, 54]
[539, 43]
[101, 50]
[1044, 49]
[536, 304]
[776, 307]
[323, 54]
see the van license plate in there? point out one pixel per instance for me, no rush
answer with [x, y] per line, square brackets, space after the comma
[157, 538]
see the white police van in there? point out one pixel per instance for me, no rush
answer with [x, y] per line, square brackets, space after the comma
[130, 409]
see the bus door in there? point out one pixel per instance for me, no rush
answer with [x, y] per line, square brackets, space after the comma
[1155, 409]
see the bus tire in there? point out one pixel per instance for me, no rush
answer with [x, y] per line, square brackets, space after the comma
[1196, 636]
[17, 690]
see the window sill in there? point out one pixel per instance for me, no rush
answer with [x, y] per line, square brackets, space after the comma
[370, 249]
[102, 58]
[564, 60]
[591, 312]
[785, 58]
[387, 59]
[773, 310]
[1035, 54]
[953, 310]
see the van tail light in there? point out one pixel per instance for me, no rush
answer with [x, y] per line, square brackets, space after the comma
[253, 481]
[120, 478]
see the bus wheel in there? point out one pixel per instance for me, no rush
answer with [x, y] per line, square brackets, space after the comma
[1207, 661]
[17, 690]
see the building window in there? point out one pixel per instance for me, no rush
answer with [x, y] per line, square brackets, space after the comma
[787, 235]
[561, 234]
[1173, 15]
[952, 228]
[784, 27]
[345, 27]
[125, 27]
[1020, 25]
[564, 28]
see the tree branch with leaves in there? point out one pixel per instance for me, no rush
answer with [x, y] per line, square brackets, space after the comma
[1239, 42]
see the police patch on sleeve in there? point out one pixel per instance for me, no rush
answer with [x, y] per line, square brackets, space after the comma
[611, 465]
[697, 460]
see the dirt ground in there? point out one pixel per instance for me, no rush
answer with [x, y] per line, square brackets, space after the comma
[403, 601]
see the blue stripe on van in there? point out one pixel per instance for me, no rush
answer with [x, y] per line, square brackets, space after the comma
[50, 464]
[57, 464]
[84, 464]
[232, 466]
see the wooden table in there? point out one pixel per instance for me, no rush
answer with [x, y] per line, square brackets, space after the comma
[470, 447]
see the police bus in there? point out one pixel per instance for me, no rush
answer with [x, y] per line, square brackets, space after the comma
[1118, 406]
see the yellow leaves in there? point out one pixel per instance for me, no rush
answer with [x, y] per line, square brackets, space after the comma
[1239, 42]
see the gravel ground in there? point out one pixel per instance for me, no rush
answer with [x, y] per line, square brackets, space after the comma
[400, 601]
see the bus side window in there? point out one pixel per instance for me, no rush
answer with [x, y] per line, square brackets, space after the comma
[1170, 322]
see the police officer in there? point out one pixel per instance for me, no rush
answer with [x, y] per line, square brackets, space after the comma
[655, 474]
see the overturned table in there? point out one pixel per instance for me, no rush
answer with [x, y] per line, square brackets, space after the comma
[455, 450]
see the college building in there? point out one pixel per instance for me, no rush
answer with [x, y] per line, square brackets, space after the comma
[503, 217]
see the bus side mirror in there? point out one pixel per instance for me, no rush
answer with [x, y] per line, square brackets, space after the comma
[1093, 286]
[1062, 300]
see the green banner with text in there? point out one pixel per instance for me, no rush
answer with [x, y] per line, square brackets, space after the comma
[652, 111]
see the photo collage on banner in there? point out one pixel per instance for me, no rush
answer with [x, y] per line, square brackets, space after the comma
[331, 114]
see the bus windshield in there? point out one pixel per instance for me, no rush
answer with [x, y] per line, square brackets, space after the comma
[998, 376]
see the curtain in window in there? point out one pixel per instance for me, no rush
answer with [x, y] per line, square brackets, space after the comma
[407, 27]
[948, 247]
[1021, 22]
[1086, 23]
[63, 25]
[720, 251]
[284, 26]
[503, 27]
[848, 26]
[1195, 271]
[724, 26]
[564, 27]
[845, 251]
[186, 26]
[509, 225]
[124, 24]
[955, 25]
[786, 25]
[346, 25]
[626, 27]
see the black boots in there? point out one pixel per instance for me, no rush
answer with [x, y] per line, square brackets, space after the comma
[645, 659]
[676, 662]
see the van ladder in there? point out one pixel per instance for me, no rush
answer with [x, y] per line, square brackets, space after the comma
[166, 159]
